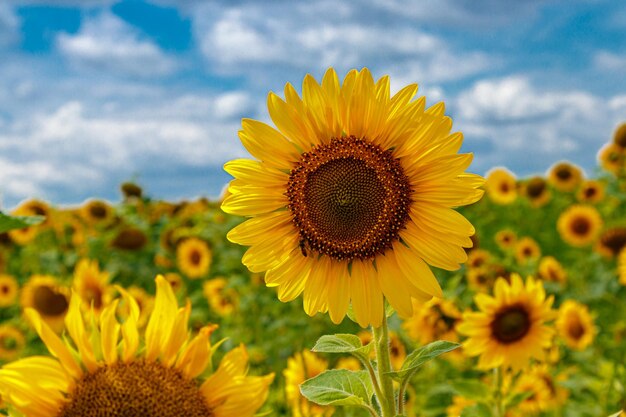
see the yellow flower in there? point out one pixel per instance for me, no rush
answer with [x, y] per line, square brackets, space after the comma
[579, 225]
[557, 394]
[397, 351]
[612, 158]
[477, 258]
[175, 280]
[8, 290]
[591, 191]
[527, 250]
[612, 241]
[619, 136]
[92, 285]
[480, 279]
[300, 367]
[46, 295]
[130, 239]
[12, 342]
[536, 191]
[565, 176]
[506, 239]
[539, 399]
[501, 186]
[25, 235]
[458, 405]
[551, 270]
[621, 267]
[144, 301]
[97, 212]
[510, 327]
[222, 300]
[435, 319]
[193, 257]
[348, 362]
[351, 197]
[575, 325]
[104, 371]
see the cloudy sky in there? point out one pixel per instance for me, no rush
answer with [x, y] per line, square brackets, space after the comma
[96, 92]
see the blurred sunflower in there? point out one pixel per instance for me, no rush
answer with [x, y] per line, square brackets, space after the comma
[175, 281]
[506, 239]
[397, 351]
[193, 257]
[501, 186]
[527, 250]
[539, 394]
[557, 393]
[510, 327]
[12, 342]
[458, 405]
[92, 285]
[144, 301]
[435, 319]
[621, 267]
[579, 225]
[591, 191]
[300, 367]
[103, 375]
[575, 325]
[477, 258]
[129, 238]
[612, 241]
[551, 270]
[221, 299]
[612, 158]
[480, 279]
[565, 176]
[352, 196]
[46, 295]
[24, 235]
[536, 191]
[8, 290]
[619, 136]
[96, 212]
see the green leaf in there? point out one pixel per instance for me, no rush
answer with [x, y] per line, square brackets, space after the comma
[477, 410]
[474, 390]
[339, 387]
[515, 399]
[18, 222]
[422, 355]
[342, 343]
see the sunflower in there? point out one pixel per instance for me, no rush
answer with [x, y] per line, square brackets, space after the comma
[130, 239]
[193, 257]
[25, 235]
[12, 342]
[621, 267]
[8, 290]
[480, 279]
[478, 258]
[92, 285]
[105, 373]
[551, 270]
[351, 196]
[557, 393]
[539, 394]
[46, 295]
[300, 367]
[506, 239]
[565, 176]
[97, 212]
[510, 327]
[619, 136]
[536, 191]
[435, 319]
[175, 280]
[223, 300]
[575, 325]
[144, 301]
[612, 158]
[397, 351]
[591, 191]
[501, 186]
[579, 225]
[612, 241]
[527, 250]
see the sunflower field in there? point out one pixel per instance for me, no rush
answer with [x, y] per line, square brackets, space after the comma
[535, 316]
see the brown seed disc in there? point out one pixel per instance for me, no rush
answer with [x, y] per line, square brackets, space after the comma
[511, 324]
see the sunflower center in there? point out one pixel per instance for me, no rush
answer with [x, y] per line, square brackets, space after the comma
[135, 389]
[93, 294]
[195, 257]
[4, 289]
[98, 210]
[511, 324]
[614, 240]
[590, 192]
[349, 199]
[576, 329]
[49, 302]
[535, 188]
[563, 173]
[580, 226]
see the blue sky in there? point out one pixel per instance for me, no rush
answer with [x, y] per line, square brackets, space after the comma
[96, 92]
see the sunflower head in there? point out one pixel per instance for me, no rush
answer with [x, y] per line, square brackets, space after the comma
[506, 239]
[222, 299]
[527, 250]
[193, 257]
[104, 371]
[550, 269]
[130, 239]
[501, 186]
[536, 191]
[48, 297]
[612, 158]
[511, 326]
[575, 325]
[97, 212]
[579, 225]
[591, 191]
[92, 285]
[8, 290]
[435, 319]
[619, 136]
[131, 190]
[352, 177]
[12, 342]
[612, 241]
[565, 176]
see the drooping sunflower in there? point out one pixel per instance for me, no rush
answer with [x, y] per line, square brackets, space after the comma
[501, 186]
[300, 367]
[46, 295]
[612, 241]
[579, 225]
[351, 196]
[92, 285]
[8, 290]
[565, 176]
[510, 327]
[591, 191]
[12, 342]
[193, 257]
[550, 269]
[575, 325]
[105, 373]
[536, 191]
[527, 250]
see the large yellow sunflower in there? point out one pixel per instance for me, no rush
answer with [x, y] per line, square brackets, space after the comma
[575, 325]
[510, 327]
[351, 196]
[579, 225]
[105, 373]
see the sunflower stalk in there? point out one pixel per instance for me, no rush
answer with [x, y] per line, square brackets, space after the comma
[383, 361]
[498, 400]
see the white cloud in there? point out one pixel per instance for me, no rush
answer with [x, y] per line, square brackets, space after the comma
[609, 61]
[9, 25]
[109, 44]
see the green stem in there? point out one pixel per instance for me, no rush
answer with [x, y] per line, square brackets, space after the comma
[370, 369]
[383, 361]
[499, 409]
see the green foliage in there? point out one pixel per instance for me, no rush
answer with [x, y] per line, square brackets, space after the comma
[18, 222]
[339, 387]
